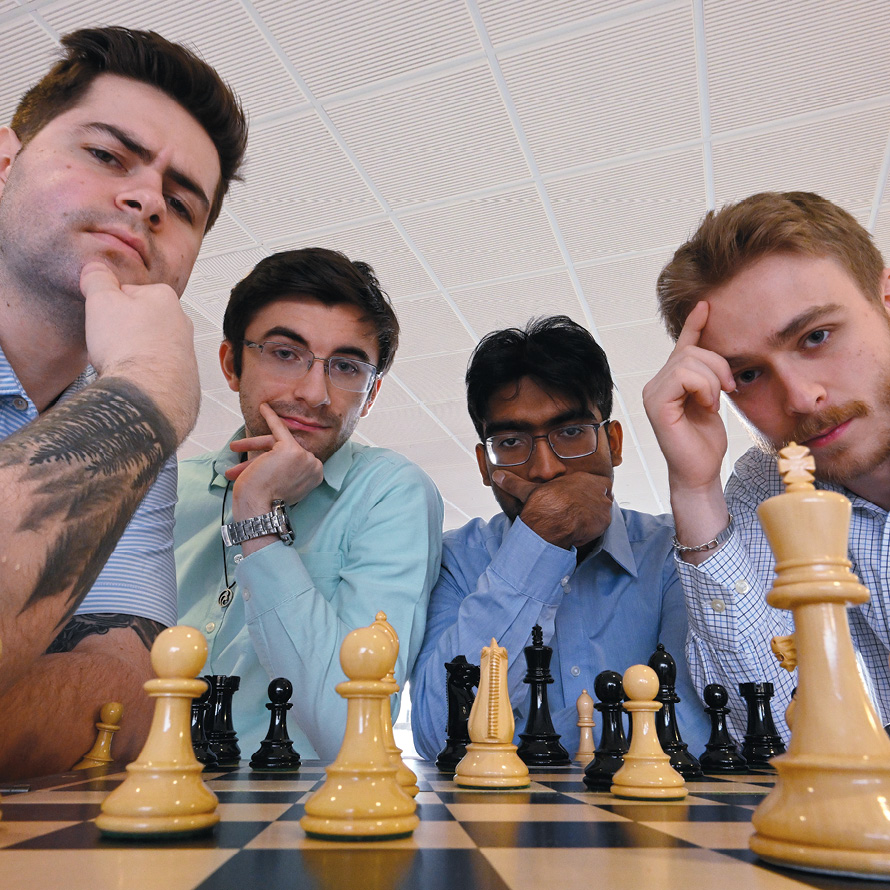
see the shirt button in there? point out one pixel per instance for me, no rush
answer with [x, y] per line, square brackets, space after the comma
[718, 605]
[246, 594]
[742, 586]
[210, 627]
[20, 404]
[575, 671]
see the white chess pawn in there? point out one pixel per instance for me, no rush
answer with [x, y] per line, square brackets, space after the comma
[647, 772]
[108, 725]
[163, 794]
[586, 744]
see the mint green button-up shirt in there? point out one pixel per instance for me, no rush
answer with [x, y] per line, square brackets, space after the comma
[367, 539]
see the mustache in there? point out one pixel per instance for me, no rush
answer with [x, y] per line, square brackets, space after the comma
[321, 415]
[814, 424]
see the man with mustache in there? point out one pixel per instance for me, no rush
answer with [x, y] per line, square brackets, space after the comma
[781, 301]
[319, 533]
[112, 170]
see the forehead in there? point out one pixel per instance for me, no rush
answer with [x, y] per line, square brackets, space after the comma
[746, 313]
[323, 328]
[526, 401]
[154, 119]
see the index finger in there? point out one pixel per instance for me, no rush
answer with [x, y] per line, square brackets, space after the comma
[276, 425]
[694, 325]
[520, 488]
[96, 277]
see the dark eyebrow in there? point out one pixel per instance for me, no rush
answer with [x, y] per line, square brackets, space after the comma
[281, 331]
[790, 332]
[520, 426]
[147, 156]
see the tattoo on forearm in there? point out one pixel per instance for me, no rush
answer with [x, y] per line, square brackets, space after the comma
[82, 626]
[85, 465]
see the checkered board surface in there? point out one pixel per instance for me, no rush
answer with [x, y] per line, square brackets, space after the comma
[554, 835]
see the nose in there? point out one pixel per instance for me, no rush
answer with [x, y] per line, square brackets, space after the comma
[544, 465]
[803, 394]
[312, 387]
[143, 195]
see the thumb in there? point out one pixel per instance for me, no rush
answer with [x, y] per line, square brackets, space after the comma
[96, 277]
[520, 488]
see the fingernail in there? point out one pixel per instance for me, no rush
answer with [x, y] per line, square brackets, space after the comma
[498, 476]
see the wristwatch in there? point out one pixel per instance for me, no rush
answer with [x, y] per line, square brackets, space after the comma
[274, 523]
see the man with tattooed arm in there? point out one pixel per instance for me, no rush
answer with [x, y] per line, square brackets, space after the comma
[113, 168]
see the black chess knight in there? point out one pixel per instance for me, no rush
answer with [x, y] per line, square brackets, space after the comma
[462, 677]
[218, 719]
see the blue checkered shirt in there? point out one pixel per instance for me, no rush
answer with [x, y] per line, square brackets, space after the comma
[730, 624]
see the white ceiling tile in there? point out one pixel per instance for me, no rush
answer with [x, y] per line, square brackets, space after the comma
[456, 418]
[436, 378]
[516, 19]
[485, 238]
[623, 291]
[299, 180]
[841, 161]
[28, 51]
[636, 348]
[351, 43]
[636, 207]
[434, 140]
[220, 31]
[769, 60]
[396, 427]
[444, 452]
[214, 276]
[511, 303]
[618, 90]
[430, 327]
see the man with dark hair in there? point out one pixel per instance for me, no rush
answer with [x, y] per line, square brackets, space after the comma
[781, 301]
[329, 531]
[109, 178]
[597, 578]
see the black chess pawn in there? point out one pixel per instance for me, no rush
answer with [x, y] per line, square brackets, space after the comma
[462, 677]
[721, 752]
[762, 740]
[666, 728]
[539, 744]
[200, 745]
[609, 755]
[276, 749]
[218, 720]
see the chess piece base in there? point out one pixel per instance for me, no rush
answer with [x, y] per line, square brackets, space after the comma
[491, 766]
[642, 779]
[811, 786]
[367, 807]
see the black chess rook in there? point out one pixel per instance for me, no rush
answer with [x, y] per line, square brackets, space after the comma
[221, 734]
[762, 740]
[200, 744]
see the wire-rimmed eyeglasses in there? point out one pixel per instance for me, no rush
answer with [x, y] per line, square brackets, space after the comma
[291, 362]
[569, 441]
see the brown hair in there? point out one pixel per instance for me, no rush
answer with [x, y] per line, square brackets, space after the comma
[770, 222]
[147, 57]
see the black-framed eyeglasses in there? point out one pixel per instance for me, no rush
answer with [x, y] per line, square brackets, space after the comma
[569, 441]
[289, 361]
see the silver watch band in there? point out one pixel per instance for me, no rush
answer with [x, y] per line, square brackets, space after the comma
[275, 522]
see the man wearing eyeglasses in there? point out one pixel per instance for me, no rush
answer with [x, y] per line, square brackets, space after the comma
[599, 579]
[292, 535]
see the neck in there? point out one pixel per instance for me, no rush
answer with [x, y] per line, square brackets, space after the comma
[47, 353]
[873, 486]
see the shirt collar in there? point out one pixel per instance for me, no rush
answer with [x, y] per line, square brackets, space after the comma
[616, 543]
[335, 467]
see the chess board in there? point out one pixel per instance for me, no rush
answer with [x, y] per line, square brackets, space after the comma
[554, 835]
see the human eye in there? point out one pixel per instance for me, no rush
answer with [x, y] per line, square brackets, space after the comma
[344, 366]
[575, 431]
[815, 338]
[103, 156]
[746, 377]
[282, 352]
[180, 208]
[507, 442]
